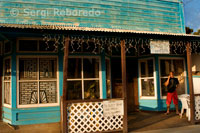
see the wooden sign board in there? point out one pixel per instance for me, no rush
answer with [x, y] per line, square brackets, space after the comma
[159, 47]
[113, 108]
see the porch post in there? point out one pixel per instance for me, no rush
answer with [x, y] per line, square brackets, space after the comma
[189, 65]
[64, 97]
[124, 94]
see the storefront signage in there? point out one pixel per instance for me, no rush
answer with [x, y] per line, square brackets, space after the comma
[113, 108]
[159, 47]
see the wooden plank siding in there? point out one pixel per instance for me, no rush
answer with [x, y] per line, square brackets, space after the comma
[140, 15]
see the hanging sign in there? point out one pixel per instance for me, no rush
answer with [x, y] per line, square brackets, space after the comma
[113, 108]
[159, 47]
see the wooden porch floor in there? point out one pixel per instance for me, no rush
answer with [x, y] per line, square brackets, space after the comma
[145, 121]
[137, 122]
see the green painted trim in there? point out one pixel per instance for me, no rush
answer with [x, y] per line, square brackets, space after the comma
[60, 69]
[24, 116]
[157, 70]
[187, 80]
[7, 115]
[103, 71]
[148, 104]
[13, 77]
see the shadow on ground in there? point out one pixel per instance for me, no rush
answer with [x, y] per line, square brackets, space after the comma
[145, 121]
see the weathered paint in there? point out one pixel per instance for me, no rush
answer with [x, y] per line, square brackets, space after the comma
[7, 115]
[148, 104]
[35, 115]
[140, 15]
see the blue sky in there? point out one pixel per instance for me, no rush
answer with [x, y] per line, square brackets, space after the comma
[192, 13]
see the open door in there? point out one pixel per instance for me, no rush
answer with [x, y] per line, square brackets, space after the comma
[132, 82]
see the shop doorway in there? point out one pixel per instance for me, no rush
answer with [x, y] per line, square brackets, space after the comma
[132, 82]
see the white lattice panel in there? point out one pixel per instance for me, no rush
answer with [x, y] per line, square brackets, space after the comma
[88, 117]
[197, 107]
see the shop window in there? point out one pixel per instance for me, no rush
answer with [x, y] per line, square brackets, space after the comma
[7, 81]
[83, 78]
[177, 66]
[37, 45]
[147, 77]
[37, 81]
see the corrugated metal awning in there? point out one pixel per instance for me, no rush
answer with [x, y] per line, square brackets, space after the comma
[55, 27]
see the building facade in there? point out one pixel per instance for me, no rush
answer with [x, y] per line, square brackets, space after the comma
[32, 37]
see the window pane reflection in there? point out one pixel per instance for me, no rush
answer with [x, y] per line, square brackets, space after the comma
[147, 87]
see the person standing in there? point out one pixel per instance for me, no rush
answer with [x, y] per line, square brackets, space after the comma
[172, 84]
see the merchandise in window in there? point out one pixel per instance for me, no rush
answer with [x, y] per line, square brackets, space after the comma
[37, 81]
[83, 78]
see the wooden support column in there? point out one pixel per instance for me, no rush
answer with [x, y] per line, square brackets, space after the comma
[64, 127]
[124, 93]
[189, 68]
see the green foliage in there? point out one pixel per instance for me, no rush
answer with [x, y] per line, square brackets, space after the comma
[197, 33]
[188, 30]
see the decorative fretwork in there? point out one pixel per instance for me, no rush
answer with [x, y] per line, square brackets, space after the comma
[88, 117]
[47, 68]
[30, 68]
[26, 93]
[48, 91]
[111, 45]
[37, 81]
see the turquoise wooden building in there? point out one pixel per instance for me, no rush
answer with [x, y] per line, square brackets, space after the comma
[31, 40]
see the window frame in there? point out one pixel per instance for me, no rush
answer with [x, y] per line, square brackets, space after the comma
[38, 80]
[185, 74]
[34, 39]
[140, 78]
[3, 81]
[82, 79]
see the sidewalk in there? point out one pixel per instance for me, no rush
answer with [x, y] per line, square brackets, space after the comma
[185, 129]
